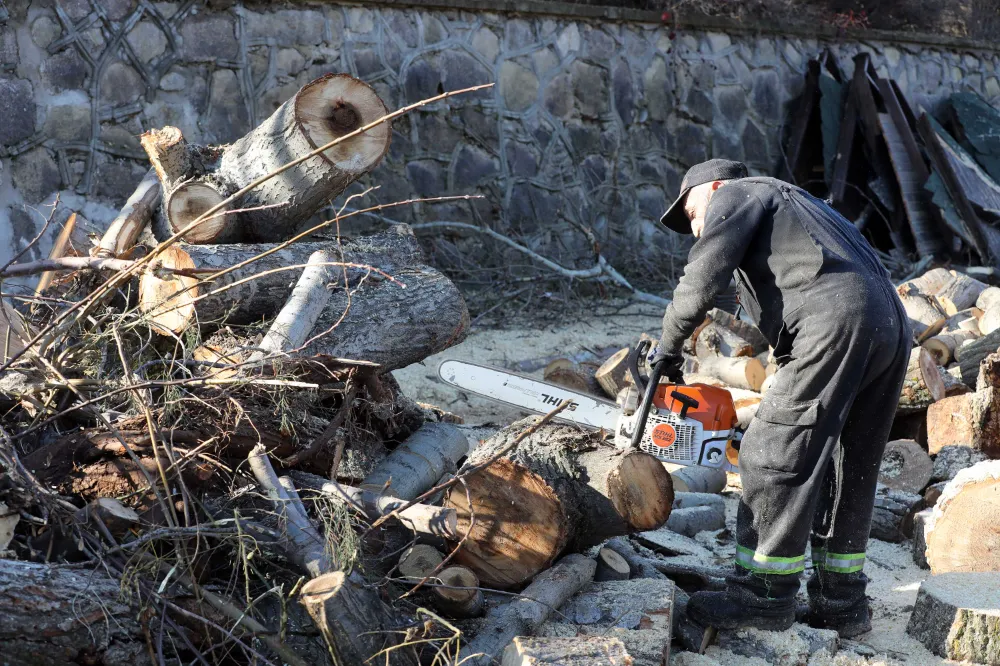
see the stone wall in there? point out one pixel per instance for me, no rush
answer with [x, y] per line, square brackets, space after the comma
[591, 123]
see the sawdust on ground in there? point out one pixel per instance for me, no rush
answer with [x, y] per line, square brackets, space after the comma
[895, 579]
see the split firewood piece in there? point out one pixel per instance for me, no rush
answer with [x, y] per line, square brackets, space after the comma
[920, 520]
[928, 284]
[959, 293]
[414, 466]
[291, 328]
[963, 534]
[419, 561]
[989, 303]
[577, 651]
[166, 298]
[117, 517]
[971, 355]
[354, 620]
[669, 543]
[955, 616]
[549, 590]
[460, 597]
[639, 566]
[922, 313]
[420, 518]
[892, 519]
[793, 646]
[560, 487]
[905, 466]
[610, 566]
[169, 154]
[742, 373]
[613, 373]
[695, 519]
[135, 216]
[698, 479]
[328, 108]
[953, 385]
[922, 385]
[14, 332]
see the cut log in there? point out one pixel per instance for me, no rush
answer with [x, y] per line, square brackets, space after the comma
[354, 621]
[167, 300]
[135, 216]
[943, 345]
[792, 646]
[291, 328]
[684, 500]
[639, 566]
[419, 518]
[951, 460]
[922, 385]
[921, 312]
[892, 519]
[415, 465]
[695, 519]
[697, 479]
[963, 534]
[714, 339]
[988, 299]
[610, 566]
[613, 373]
[329, 107]
[561, 487]
[668, 543]
[959, 293]
[117, 517]
[188, 202]
[957, 616]
[928, 284]
[564, 372]
[953, 385]
[990, 321]
[549, 590]
[169, 154]
[950, 422]
[419, 561]
[742, 373]
[905, 466]
[581, 651]
[462, 598]
[920, 520]
[971, 355]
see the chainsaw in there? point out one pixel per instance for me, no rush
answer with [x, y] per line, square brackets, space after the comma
[685, 424]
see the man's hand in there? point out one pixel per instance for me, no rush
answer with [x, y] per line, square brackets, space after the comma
[672, 363]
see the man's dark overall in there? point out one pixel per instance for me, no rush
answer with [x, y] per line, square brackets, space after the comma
[810, 459]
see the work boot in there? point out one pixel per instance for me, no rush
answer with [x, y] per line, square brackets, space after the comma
[848, 624]
[838, 601]
[723, 611]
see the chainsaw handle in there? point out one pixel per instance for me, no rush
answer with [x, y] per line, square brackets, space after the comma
[655, 373]
[634, 357]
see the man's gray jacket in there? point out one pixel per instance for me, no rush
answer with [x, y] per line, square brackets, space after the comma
[789, 252]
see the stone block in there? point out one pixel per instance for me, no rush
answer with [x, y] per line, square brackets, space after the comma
[731, 104]
[121, 84]
[8, 47]
[421, 80]
[367, 63]
[44, 31]
[656, 89]
[147, 40]
[652, 201]
[590, 89]
[755, 146]
[725, 144]
[621, 80]
[117, 179]
[70, 122]
[432, 29]
[557, 96]
[766, 95]
[594, 171]
[121, 138]
[36, 175]
[519, 34]
[287, 27]
[487, 43]
[569, 40]
[227, 118]
[75, 9]
[521, 159]
[208, 37]
[426, 177]
[460, 70]
[598, 45]
[480, 124]
[545, 60]
[699, 105]
[290, 62]
[402, 26]
[17, 109]
[360, 21]
[118, 10]
[66, 70]
[718, 42]
[173, 81]
[437, 134]
[472, 166]
[518, 86]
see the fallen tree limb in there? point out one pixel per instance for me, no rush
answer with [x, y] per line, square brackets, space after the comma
[417, 464]
[135, 215]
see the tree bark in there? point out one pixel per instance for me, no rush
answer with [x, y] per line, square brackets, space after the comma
[549, 590]
[957, 616]
[329, 107]
[610, 566]
[742, 373]
[971, 355]
[560, 488]
[922, 385]
[136, 215]
[963, 534]
[462, 598]
[578, 651]
[905, 466]
[892, 519]
[354, 621]
[953, 384]
[697, 479]
[920, 520]
[613, 373]
[696, 519]
[415, 465]
[959, 293]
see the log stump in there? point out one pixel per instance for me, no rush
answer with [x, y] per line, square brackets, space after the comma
[561, 488]
[905, 466]
[461, 597]
[957, 616]
[963, 534]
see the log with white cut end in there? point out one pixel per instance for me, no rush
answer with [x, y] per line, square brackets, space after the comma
[905, 466]
[419, 561]
[610, 566]
[613, 373]
[188, 202]
[548, 591]
[963, 534]
[167, 300]
[959, 293]
[561, 487]
[697, 479]
[414, 466]
[328, 108]
[956, 332]
[957, 616]
[354, 621]
[742, 373]
[989, 303]
[458, 594]
[135, 215]
[928, 284]
[564, 372]
[922, 313]
[577, 651]
[922, 385]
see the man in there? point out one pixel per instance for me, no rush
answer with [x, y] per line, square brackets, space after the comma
[810, 459]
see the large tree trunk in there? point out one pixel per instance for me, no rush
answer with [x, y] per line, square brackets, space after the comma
[957, 616]
[963, 534]
[527, 612]
[560, 488]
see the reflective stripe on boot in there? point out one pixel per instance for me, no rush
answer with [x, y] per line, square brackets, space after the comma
[769, 564]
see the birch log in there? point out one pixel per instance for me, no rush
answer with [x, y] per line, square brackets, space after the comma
[742, 373]
[414, 466]
[137, 213]
[989, 303]
[959, 293]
